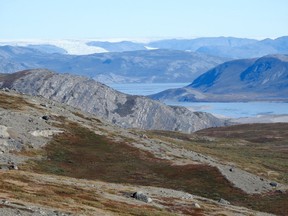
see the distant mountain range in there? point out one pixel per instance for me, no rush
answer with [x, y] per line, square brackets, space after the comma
[134, 66]
[121, 109]
[227, 47]
[264, 78]
[162, 61]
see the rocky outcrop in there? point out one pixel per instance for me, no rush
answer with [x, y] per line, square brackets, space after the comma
[96, 98]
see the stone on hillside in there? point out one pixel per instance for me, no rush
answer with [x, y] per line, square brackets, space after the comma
[45, 117]
[273, 184]
[144, 136]
[12, 167]
[142, 197]
[196, 205]
[223, 201]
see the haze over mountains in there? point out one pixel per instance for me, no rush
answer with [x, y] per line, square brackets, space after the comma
[227, 47]
[134, 66]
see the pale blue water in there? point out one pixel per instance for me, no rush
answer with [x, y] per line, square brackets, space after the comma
[145, 88]
[238, 109]
[234, 110]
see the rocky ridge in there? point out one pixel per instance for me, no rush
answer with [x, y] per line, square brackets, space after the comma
[123, 110]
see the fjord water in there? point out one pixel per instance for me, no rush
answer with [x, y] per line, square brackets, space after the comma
[145, 88]
[233, 109]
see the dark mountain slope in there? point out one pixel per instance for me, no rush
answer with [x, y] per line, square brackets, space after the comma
[265, 78]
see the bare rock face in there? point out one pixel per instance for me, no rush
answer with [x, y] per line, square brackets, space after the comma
[96, 98]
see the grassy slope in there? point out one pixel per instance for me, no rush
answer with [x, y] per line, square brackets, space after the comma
[82, 154]
[258, 148]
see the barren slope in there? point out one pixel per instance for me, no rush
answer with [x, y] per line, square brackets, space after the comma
[123, 110]
[89, 167]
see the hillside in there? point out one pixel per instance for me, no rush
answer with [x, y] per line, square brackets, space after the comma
[73, 163]
[262, 79]
[136, 66]
[123, 110]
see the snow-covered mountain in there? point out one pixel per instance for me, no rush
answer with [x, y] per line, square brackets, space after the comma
[72, 47]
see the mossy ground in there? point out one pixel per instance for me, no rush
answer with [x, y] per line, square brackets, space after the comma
[14, 102]
[82, 154]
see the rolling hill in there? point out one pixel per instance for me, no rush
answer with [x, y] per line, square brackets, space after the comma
[126, 111]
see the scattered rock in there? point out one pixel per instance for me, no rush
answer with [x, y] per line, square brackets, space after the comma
[45, 133]
[43, 105]
[196, 205]
[142, 197]
[144, 136]
[46, 117]
[5, 202]
[223, 201]
[231, 169]
[12, 167]
[3, 132]
[273, 184]
[187, 196]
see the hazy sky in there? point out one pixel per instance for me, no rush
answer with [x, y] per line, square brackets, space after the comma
[83, 19]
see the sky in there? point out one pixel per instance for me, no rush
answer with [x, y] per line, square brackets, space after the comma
[85, 19]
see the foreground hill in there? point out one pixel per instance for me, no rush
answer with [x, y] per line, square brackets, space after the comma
[96, 98]
[58, 160]
[135, 66]
[265, 78]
